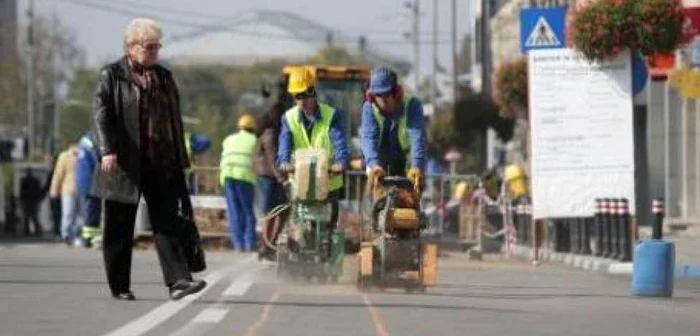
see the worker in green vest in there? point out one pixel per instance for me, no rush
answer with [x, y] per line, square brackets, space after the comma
[392, 130]
[237, 177]
[313, 124]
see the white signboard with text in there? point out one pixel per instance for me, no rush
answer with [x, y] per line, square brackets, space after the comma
[582, 144]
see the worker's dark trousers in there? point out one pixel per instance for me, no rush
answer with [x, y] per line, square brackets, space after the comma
[162, 200]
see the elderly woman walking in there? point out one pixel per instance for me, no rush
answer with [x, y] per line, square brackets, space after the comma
[138, 128]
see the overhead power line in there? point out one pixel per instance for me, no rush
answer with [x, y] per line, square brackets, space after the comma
[115, 9]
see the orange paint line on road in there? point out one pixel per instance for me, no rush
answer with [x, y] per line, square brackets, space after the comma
[378, 326]
[264, 315]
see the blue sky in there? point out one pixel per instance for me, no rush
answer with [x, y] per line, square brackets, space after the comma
[99, 31]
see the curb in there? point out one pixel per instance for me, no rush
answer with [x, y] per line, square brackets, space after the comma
[588, 263]
[597, 264]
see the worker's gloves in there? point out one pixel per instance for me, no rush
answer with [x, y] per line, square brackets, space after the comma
[416, 176]
[375, 172]
[286, 169]
[336, 169]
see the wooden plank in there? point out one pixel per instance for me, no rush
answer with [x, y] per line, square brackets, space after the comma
[365, 259]
[429, 264]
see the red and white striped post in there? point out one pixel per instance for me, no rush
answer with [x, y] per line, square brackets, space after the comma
[658, 210]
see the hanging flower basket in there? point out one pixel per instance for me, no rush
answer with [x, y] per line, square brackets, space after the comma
[658, 25]
[600, 29]
[603, 28]
[511, 88]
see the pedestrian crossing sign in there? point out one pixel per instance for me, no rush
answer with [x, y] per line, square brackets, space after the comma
[542, 28]
[542, 35]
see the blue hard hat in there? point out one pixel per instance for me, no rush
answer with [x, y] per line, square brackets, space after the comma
[382, 80]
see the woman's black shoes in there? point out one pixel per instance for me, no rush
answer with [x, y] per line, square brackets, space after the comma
[183, 288]
[127, 296]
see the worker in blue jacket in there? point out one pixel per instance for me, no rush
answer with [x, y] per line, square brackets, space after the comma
[392, 130]
[88, 157]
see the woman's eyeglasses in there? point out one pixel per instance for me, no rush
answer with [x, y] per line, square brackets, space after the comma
[152, 46]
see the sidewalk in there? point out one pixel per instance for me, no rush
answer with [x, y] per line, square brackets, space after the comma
[687, 246]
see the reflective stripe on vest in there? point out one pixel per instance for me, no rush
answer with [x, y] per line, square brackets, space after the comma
[87, 142]
[188, 149]
[319, 138]
[404, 140]
[188, 144]
[237, 157]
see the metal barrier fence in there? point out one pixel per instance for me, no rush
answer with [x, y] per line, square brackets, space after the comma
[455, 221]
[610, 232]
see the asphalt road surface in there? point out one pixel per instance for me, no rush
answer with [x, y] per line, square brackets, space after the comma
[50, 289]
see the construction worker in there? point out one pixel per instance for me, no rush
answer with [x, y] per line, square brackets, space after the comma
[194, 145]
[392, 132]
[238, 178]
[313, 124]
[88, 157]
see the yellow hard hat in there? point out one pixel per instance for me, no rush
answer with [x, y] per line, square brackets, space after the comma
[461, 191]
[246, 121]
[513, 172]
[300, 80]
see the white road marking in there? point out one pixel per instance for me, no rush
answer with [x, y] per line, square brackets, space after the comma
[216, 312]
[165, 311]
[240, 285]
[210, 315]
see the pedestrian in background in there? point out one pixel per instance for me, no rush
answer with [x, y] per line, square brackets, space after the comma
[63, 186]
[54, 203]
[237, 176]
[139, 133]
[270, 179]
[30, 195]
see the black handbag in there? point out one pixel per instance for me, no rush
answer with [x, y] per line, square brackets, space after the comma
[192, 246]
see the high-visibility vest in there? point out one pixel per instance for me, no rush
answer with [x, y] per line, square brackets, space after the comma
[404, 140]
[188, 149]
[188, 145]
[320, 137]
[237, 157]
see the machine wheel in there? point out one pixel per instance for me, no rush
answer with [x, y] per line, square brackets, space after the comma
[284, 270]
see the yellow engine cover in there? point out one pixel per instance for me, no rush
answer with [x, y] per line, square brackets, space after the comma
[403, 219]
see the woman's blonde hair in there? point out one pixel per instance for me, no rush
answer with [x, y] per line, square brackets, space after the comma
[141, 29]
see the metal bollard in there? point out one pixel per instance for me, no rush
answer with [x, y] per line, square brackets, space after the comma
[598, 228]
[572, 224]
[585, 223]
[517, 222]
[625, 234]
[607, 241]
[615, 229]
[658, 211]
[527, 232]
